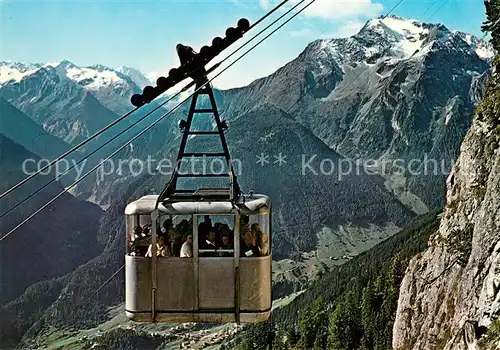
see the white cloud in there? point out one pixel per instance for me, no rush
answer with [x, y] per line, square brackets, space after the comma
[335, 9]
[346, 30]
[302, 33]
[264, 4]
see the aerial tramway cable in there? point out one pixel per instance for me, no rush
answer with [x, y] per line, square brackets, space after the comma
[392, 9]
[126, 115]
[75, 148]
[269, 14]
[159, 119]
[132, 125]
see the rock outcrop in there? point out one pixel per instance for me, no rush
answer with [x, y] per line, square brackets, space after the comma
[450, 294]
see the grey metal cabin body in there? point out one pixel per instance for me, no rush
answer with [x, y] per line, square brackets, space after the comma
[214, 285]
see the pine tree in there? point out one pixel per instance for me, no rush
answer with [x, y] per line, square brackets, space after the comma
[368, 316]
[291, 338]
[346, 329]
[282, 341]
[393, 277]
[492, 23]
[313, 326]
[258, 336]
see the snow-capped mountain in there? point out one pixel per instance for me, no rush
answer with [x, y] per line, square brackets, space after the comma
[92, 77]
[397, 89]
[62, 106]
[113, 88]
[399, 39]
[57, 103]
[137, 76]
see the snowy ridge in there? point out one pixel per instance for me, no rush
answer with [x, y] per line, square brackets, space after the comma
[111, 87]
[136, 75]
[15, 71]
[482, 48]
[396, 39]
[91, 77]
[94, 79]
[409, 35]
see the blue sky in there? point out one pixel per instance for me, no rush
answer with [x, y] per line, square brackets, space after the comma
[143, 34]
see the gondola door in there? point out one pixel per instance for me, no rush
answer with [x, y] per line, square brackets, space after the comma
[217, 263]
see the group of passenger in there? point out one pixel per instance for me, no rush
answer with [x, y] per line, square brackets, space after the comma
[213, 239]
[171, 240]
[253, 241]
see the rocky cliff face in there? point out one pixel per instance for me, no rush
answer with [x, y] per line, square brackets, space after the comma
[451, 293]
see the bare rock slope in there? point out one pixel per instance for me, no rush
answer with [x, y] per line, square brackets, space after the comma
[450, 294]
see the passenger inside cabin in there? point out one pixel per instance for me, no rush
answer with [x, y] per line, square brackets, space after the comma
[226, 245]
[255, 228]
[212, 238]
[167, 224]
[264, 244]
[187, 248]
[248, 245]
[185, 228]
[262, 239]
[244, 220]
[137, 232]
[204, 237]
[136, 237]
[224, 231]
[218, 233]
[226, 242]
[161, 248]
[175, 238]
[208, 222]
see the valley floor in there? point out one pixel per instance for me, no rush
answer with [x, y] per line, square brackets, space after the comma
[335, 247]
[175, 336]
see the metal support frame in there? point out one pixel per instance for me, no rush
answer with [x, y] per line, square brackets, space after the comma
[237, 266]
[232, 192]
[196, 260]
[154, 262]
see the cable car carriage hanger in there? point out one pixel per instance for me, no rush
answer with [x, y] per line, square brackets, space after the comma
[198, 254]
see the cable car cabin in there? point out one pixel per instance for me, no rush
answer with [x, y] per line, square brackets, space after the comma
[211, 262]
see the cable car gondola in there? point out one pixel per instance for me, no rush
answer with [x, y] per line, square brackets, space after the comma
[214, 284]
[202, 254]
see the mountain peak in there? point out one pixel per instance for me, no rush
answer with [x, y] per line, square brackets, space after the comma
[100, 68]
[65, 64]
[136, 75]
[396, 26]
[403, 37]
